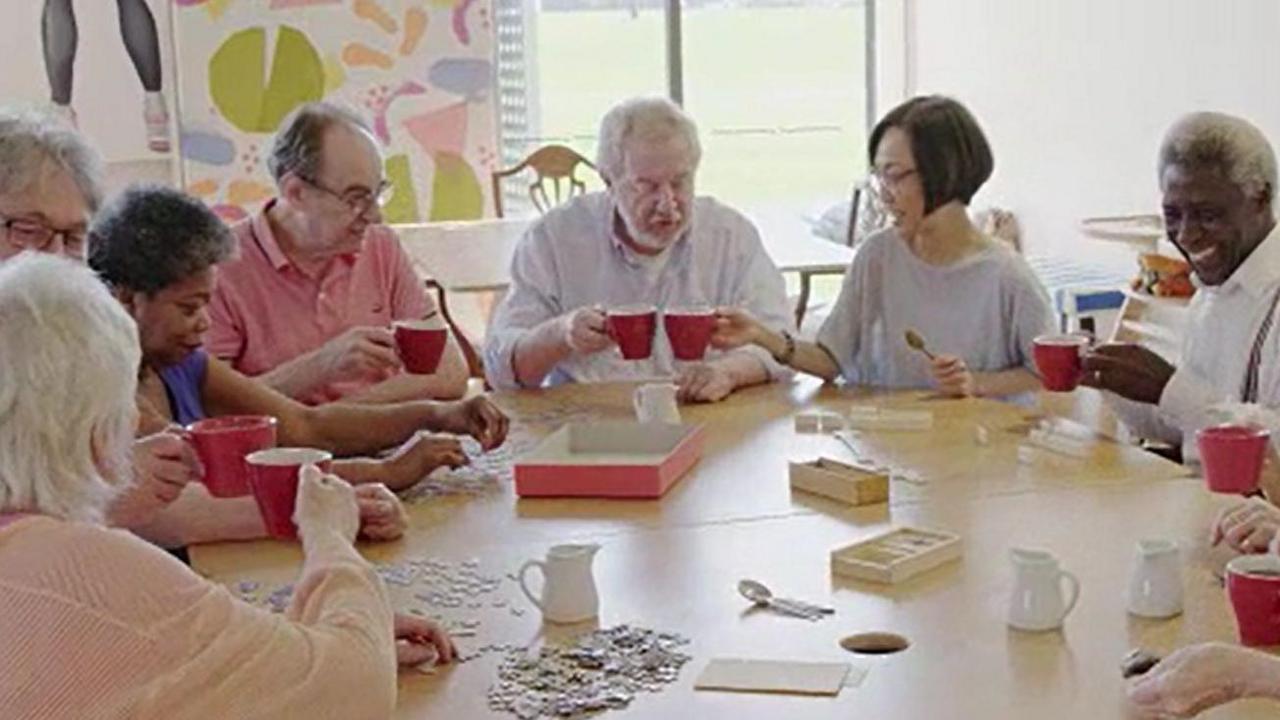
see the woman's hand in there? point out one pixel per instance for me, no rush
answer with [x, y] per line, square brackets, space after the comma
[735, 328]
[1199, 677]
[420, 455]
[163, 464]
[326, 504]
[420, 640]
[382, 515]
[1247, 527]
[479, 418]
[952, 376]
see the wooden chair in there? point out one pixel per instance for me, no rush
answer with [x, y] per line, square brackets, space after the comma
[475, 364]
[553, 165]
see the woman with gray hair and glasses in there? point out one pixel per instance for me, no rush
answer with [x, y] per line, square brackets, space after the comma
[98, 623]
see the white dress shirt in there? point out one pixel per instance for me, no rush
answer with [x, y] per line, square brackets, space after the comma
[572, 258]
[1223, 323]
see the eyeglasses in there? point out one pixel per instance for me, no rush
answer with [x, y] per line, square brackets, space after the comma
[359, 201]
[882, 181]
[35, 235]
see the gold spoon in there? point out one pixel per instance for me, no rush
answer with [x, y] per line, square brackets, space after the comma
[917, 343]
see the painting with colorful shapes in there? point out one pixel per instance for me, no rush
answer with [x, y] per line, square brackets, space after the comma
[417, 70]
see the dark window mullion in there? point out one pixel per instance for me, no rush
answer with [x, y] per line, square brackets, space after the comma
[675, 51]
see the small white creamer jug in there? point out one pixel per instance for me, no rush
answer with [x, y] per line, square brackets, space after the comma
[656, 403]
[1037, 602]
[1155, 587]
[568, 588]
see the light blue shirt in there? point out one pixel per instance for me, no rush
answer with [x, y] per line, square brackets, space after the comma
[572, 259]
[985, 309]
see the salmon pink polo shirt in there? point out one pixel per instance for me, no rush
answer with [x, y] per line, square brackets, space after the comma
[266, 311]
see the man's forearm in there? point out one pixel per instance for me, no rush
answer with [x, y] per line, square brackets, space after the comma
[538, 352]
[448, 382]
[198, 517]
[296, 377]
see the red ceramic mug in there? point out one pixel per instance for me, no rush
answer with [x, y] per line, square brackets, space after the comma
[689, 331]
[420, 344]
[1058, 360]
[1232, 456]
[222, 442]
[273, 476]
[632, 327]
[1253, 587]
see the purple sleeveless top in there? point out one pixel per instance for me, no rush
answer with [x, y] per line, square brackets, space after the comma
[7, 518]
[183, 383]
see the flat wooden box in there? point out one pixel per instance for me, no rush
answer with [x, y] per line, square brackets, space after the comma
[819, 422]
[840, 481]
[873, 419]
[896, 555]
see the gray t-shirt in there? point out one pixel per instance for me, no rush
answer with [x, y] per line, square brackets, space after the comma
[985, 309]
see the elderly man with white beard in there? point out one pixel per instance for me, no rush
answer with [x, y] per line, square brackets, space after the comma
[645, 240]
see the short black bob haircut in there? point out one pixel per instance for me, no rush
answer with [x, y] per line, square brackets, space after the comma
[952, 156]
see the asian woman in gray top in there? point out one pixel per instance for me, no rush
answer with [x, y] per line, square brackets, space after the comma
[976, 302]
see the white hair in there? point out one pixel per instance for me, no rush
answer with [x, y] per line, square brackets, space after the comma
[648, 118]
[31, 143]
[69, 360]
[1231, 144]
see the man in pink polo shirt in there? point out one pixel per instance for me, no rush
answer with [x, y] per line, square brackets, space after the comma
[308, 304]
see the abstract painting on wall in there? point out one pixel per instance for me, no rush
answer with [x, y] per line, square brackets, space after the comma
[420, 71]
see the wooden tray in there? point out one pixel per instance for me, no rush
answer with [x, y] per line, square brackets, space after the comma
[896, 555]
[819, 422]
[886, 419]
[847, 483]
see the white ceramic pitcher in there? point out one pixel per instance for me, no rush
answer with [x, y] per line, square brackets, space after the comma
[656, 403]
[568, 588]
[1037, 602]
[1155, 587]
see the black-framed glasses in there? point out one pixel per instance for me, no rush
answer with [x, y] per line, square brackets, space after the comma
[359, 201]
[35, 235]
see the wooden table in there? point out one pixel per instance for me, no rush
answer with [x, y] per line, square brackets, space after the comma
[476, 256]
[672, 564]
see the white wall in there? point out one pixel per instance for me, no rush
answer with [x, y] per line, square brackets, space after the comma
[107, 94]
[1075, 94]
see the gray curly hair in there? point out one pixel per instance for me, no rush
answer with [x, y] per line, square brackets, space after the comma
[1231, 144]
[150, 237]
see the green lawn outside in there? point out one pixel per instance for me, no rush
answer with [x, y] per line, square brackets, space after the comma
[778, 93]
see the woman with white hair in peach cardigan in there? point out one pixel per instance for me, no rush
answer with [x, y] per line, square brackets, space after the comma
[97, 622]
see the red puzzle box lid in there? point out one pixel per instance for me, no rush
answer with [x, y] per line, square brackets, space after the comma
[615, 458]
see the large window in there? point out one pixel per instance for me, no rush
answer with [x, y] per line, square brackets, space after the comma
[779, 89]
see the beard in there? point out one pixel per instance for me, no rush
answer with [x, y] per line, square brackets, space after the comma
[647, 240]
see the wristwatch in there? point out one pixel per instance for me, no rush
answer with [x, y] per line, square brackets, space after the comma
[789, 350]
